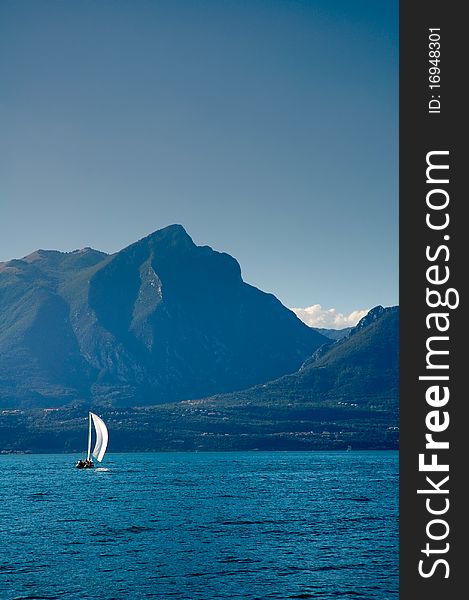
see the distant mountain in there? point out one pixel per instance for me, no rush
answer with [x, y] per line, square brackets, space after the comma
[360, 369]
[161, 320]
[333, 334]
[346, 393]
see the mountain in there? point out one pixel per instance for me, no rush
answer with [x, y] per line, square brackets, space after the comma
[346, 394]
[333, 334]
[161, 320]
[360, 369]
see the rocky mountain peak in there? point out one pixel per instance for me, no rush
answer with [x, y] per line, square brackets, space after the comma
[371, 316]
[163, 319]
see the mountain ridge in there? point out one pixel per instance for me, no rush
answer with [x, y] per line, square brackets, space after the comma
[161, 319]
[330, 402]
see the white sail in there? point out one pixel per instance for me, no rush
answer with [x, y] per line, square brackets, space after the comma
[88, 456]
[102, 437]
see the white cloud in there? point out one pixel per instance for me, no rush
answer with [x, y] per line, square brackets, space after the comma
[317, 316]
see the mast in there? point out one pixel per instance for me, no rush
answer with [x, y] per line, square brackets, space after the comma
[89, 438]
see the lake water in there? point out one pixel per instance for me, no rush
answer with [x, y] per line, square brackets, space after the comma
[200, 526]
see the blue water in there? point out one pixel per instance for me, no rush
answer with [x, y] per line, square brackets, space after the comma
[200, 526]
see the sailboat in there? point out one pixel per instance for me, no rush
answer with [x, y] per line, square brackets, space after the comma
[102, 437]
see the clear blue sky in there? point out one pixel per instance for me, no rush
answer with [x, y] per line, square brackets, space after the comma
[267, 128]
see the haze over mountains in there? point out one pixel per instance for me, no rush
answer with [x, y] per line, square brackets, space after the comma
[161, 320]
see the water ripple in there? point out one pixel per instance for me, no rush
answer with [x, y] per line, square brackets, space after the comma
[201, 526]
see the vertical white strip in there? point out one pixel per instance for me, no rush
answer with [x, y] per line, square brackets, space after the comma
[89, 438]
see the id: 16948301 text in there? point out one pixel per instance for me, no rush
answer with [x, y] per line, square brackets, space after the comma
[434, 70]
